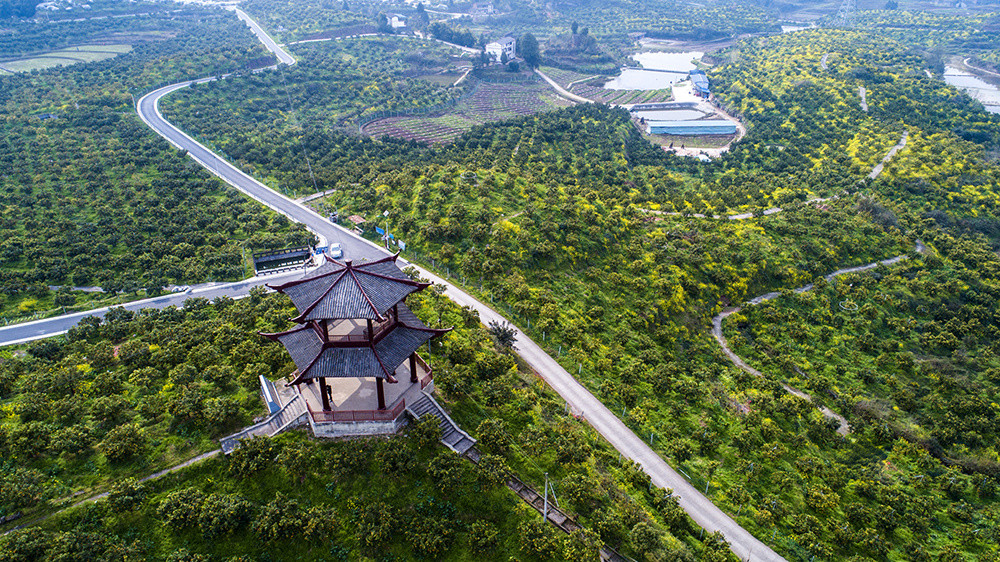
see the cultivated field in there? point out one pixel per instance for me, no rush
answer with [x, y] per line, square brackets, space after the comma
[490, 102]
[590, 87]
[65, 57]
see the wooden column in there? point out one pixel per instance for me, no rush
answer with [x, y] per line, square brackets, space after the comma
[371, 332]
[325, 325]
[413, 367]
[381, 394]
[323, 393]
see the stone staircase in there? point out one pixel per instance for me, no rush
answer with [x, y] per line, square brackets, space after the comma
[292, 414]
[453, 437]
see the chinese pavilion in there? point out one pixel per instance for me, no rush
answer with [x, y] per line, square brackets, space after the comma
[355, 329]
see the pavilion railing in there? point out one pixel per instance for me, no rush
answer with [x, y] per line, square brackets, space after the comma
[358, 415]
[379, 329]
[427, 378]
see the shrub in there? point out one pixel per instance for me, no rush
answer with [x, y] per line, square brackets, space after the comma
[223, 513]
[538, 538]
[426, 432]
[430, 536]
[447, 470]
[493, 436]
[24, 545]
[373, 521]
[180, 509]
[253, 455]
[126, 495]
[123, 443]
[493, 470]
[483, 536]
[281, 518]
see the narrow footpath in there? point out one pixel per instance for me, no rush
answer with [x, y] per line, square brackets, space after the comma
[95, 497]
[844, 428]
[877, 170]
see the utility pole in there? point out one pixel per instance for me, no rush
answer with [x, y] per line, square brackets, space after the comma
[545, 503]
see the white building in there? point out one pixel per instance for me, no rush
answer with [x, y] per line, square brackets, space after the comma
[504, 45]
[397, 21]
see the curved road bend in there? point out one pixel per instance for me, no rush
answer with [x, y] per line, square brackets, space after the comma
[699, 507]
[48, 327]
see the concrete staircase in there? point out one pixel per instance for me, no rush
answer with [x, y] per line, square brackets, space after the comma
[453, 437]
[291, 415]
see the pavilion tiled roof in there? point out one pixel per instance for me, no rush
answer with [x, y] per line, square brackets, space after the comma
[338, 290]
[315, 358]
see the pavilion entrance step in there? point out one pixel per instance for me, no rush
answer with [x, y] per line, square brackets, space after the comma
[451, 435]
[292, 414]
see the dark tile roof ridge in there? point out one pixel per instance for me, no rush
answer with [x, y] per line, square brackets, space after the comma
[405, 311]
[364, 293]
[388, 376]
[410, 282]
[276, 336]
[301, 317]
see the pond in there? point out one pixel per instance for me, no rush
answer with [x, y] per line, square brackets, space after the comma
[636, 79]
[794, 28]
[986, 93]
[677, 62]
[659, 70]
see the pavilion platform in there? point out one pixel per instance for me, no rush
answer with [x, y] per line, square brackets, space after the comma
[354, 402]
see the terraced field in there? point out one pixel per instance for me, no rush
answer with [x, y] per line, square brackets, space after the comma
[579, 84]
[490, 102]
[65, 57]
[620, 97]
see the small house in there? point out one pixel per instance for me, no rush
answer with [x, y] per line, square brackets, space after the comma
[505, 45]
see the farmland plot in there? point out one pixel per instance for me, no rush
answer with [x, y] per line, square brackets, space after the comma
[490, 102]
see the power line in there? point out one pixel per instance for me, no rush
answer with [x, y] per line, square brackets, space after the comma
[847, 13]
[297, 123]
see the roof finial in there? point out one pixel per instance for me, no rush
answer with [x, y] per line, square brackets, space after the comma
[348, 263]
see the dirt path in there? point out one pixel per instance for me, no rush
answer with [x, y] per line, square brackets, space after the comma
[864, 98]
[822, 61]
[844, 428]
[96, 497]
[978, 69]
[877, 170]
[562, 91]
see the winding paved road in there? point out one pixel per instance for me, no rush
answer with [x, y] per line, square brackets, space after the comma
[699, 507]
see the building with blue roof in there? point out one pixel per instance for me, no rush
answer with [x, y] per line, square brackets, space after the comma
[700, 82]
[697, 127]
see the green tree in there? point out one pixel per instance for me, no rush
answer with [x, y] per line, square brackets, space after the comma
[528, 49]
[123, 443]
[126, 495]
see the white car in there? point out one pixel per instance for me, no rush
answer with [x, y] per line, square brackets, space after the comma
[335, 251]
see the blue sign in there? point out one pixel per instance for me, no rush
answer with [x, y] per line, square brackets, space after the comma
[379, 230]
